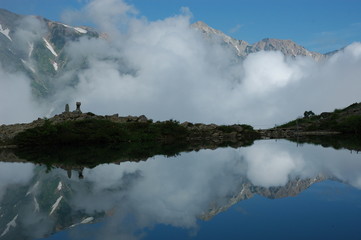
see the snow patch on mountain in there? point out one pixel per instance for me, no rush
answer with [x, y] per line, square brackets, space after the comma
[36, 205]
[56, 67]
[87, 220]
[84, 221]
[6, 32]
[60, 185]
[78, 29]
[51, 49]
[28, 65]
[12, 223]
[31, 190]
[81, 30]
[55, 205]
[31, 49]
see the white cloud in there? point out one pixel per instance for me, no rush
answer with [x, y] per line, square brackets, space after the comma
[271, 166]
[24, 173]
[165, 69]
[108, 15]
[176, 191]
[17, 102]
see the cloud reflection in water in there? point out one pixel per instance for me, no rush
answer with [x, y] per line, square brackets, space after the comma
[174, 191]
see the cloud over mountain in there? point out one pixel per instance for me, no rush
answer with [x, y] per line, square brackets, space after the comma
[169, 69]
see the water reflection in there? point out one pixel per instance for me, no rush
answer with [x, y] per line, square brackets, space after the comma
[127, 199]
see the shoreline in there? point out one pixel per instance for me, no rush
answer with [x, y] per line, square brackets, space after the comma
[77, 128]
[279, 133]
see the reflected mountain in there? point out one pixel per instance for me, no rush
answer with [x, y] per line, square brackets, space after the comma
[126, 199]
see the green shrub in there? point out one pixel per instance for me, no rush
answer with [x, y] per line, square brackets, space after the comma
[100, 131]
[226, 129]
[351, 124]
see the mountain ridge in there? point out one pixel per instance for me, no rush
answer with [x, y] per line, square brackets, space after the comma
[243, 48]
[35, 46]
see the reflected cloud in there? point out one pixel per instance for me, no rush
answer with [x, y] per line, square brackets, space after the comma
[133, 197]
[270, 166]
[13, 175]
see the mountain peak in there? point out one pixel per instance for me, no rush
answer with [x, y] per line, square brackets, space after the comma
[287, 47]
[209, 32]
[207, 29]
[242, 48]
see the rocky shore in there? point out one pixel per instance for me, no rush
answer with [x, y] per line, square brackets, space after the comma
[288, 133]
[206, 134]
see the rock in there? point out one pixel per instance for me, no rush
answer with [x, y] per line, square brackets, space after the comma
[77, 110]
[142, 118]
[216, 135]
[238, 128]
[113, 117]
[66, 108]
[230, 136]
[187, 124]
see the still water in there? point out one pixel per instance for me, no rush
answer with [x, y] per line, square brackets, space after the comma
[270, 190]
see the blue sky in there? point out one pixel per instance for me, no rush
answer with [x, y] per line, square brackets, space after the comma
[319, 25]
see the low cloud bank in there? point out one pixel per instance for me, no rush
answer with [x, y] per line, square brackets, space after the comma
[167, 69]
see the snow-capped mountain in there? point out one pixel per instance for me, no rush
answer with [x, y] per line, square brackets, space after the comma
[34, 46]
[40, 207]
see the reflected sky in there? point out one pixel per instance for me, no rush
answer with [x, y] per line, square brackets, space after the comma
[128, 200]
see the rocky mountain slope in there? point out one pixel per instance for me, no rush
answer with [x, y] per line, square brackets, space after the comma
[243, 48]
[40, 208]
[46, 203]
[35, 46]
[247, 190]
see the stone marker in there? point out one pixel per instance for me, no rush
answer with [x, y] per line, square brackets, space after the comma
[78, 107]
[66, 108]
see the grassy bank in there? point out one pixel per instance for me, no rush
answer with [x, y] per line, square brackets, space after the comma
[99, 131]
[346, 121]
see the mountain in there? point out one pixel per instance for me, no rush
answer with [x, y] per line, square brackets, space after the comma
[243, 48]
[239, 45]
[41, 207]
[247, 190]
[34, 46]
[51, 201]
